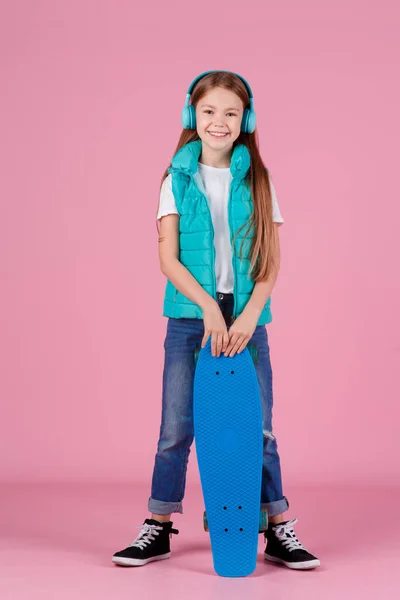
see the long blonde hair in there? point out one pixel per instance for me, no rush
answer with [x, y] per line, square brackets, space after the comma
[264, 248]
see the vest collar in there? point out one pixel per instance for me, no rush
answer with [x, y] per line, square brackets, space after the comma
[186, 159]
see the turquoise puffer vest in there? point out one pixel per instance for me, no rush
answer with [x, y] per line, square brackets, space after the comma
[196, 232]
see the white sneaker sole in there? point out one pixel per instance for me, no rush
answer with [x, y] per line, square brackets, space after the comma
[308, 564]
[138, 562]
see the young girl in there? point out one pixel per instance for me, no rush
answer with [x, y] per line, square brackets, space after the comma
[219, 249]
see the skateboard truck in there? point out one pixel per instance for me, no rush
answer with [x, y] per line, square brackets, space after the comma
[263, 523]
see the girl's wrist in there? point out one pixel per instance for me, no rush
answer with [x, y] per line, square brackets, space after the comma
[253, 308]
[207, 301]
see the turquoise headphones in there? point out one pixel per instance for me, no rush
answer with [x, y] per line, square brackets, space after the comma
[248, 124]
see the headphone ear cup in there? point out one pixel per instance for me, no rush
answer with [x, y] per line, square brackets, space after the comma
[245, 118]
[192, 116]
[248, 121]
[251, 124]
[185, 117]
[189, 117]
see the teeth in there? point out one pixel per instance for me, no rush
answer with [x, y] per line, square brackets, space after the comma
[218, 134]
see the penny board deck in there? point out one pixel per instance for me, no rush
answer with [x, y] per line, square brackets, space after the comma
[229, 445]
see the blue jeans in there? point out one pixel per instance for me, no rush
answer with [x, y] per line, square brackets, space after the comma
[177, 431]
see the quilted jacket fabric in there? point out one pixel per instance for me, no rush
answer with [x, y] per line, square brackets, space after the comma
[196, 232]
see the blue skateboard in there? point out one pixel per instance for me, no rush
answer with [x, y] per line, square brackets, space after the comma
[229, 445]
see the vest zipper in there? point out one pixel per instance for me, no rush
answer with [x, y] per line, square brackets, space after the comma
[233, 250]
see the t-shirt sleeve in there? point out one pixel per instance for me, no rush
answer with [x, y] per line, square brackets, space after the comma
[276, 213]
[167, 205]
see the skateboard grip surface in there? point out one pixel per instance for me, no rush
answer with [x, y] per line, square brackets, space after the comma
[229, 445]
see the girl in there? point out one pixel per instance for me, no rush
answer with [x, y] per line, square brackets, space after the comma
[219, 249]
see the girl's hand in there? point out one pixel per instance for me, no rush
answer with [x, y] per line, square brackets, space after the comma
[241, 331]
[214, 325]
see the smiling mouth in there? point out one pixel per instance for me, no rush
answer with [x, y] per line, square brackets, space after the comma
[215, 134]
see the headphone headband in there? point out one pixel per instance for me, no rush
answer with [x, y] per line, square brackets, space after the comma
[191, 86]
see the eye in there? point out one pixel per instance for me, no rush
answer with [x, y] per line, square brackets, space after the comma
[208, 110]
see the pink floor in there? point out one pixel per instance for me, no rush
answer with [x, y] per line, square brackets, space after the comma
[57, 541]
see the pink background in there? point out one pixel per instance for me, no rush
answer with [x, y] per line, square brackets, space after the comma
[91, 103]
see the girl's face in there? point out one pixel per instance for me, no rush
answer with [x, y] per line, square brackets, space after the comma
[219, 111]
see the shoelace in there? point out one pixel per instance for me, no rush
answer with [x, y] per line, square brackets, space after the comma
[287, 536]
[147, 533]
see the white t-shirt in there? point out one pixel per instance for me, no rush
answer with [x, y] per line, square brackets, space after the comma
[216, 183]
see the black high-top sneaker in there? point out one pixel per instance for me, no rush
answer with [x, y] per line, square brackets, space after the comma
[284, 547]
[152, 543]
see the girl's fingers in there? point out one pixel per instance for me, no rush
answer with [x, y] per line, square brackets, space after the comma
[232, 342]
[243, 345]
[205, 338]
[214, 343]
[225, 341]
[219, 343]
[237, 345]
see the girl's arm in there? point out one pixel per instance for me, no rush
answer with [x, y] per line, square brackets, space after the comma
[170, 265]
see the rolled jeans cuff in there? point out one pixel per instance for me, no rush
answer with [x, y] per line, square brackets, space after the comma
[276, 507]
[159, 507]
